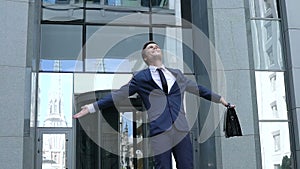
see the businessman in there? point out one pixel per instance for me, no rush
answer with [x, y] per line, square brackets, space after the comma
[161, 90]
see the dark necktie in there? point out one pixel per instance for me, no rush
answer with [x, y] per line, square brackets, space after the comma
[163, 80]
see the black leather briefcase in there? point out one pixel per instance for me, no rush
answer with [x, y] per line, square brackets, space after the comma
[232, 125]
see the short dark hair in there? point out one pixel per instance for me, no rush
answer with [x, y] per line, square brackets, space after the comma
[147, 43]
[144, 47]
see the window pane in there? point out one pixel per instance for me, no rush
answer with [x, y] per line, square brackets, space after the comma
[84, 82]
[55, 100]
[173, 16]
[267, 45]
[275, 143]
[126, 140]
[116, 16]
[133, 4]
[174, 48]
[270, 91]
[62, 10]
[133, 12]
[264, 8]
[54, 151]
[61, 43]
[158, 3]
[115, 48]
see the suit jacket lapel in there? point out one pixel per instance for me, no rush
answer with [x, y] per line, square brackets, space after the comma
[175, 74]
[150, 79]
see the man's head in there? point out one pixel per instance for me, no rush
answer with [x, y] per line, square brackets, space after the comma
[151, 53]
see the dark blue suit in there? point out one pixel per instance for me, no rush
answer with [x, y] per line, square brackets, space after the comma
[165, 111]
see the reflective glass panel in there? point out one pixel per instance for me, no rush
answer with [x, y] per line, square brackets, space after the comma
[61, 43]
[62, 10]
[55, 100]
[267, 45]
[85, 82]
[134, 12]
[117, 16]
[275, 143]
[115, 48]
[54, 151]
[264, 8]
[167, 17]
[132, 4]
[174, 47]
[270, 91]
[132, 143]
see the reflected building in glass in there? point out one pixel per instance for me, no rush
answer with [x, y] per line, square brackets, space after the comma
[58, 55]
[55, 116]
[273, 120]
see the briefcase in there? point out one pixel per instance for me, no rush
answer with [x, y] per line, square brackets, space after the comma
[232, 125]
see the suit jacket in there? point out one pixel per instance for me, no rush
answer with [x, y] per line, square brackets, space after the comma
[164, 110]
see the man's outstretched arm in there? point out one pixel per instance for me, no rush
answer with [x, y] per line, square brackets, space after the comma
[109, 100]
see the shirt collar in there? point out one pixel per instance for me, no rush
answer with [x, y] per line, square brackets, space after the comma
[153, 68]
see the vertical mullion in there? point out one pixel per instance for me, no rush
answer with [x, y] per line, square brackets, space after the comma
[84, 36]
[150, 22]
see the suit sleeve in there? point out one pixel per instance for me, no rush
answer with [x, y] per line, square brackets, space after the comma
[117, 96]
[199, 90]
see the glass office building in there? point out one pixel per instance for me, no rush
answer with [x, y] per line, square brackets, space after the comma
[58, 55]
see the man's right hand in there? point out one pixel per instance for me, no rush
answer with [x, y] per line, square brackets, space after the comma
[84, 111]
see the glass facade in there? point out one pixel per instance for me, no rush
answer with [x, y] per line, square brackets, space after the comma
[273, 118]
[267, 44]
[94, 46]
[270, 83]
[90, 47]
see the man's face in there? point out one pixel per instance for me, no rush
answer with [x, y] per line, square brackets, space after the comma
[153, 53]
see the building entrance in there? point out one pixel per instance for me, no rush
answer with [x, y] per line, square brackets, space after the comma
[112, 139]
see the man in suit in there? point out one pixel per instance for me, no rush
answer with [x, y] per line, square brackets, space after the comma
[162, 90]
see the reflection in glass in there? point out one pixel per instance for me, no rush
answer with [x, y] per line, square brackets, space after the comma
[85, 82]
[106, 139]
[55, 100]
[267, 45]
[174, 49]
[126, 140]
[54, 151]
[62, 10]
[264, 8]
[61, 43]
[165, 4]
[117, 16]
[133, 12]
[65, 65]
[275, 143]
[133, 146]
[155, 3]
[121, 51]
[270, 91]
[273, 120]
[115, 48]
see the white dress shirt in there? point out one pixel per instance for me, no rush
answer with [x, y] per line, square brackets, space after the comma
[168, 75]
